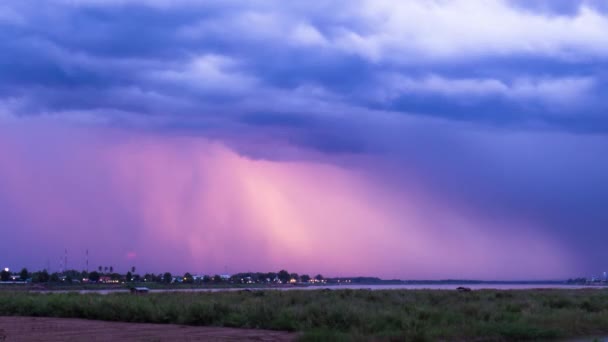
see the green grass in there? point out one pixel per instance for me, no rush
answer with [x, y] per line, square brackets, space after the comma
[411, 315]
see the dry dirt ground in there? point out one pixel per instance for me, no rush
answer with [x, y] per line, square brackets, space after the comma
[66, 329]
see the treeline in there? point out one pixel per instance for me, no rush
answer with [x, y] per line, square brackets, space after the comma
[282, 277]
[45, 277]
[107, 275]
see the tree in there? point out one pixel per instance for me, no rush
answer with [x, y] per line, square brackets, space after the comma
[129, 277]
[206, 279]
[319, 277]
[105, 269]
[217, 278]
[24, 274]
[133, 269]
[5, 275]
[271, 276]
[111, 269]
[40, 277]
[305, 278]
[94, 276]
[167, 278]
[55, 277]
[283, 276]
[188, 278]
[294, 276]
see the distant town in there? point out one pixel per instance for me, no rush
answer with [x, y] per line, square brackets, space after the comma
[107, 275]
[593, 280]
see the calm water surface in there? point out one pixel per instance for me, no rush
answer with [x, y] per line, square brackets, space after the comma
[360, 287]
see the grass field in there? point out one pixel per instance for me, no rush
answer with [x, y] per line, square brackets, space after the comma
[345, 314]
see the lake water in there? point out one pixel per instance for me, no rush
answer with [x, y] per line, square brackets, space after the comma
[359, 287]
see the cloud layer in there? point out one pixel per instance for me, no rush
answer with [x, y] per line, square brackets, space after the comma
[206, 61]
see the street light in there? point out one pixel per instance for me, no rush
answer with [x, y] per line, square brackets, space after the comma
[6, 269]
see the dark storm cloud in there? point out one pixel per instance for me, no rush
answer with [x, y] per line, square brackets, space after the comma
[195, 60]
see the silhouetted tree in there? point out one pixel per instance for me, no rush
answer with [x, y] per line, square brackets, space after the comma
[111, 269]
[129, 277]
[5, 275]
[99, 268]
[167, 278]
[319, 277]
[40, 277]
[206, 279]
[295, 277]
[133, 269]
[188, 278]
[217, 278]
[271, 276]
[55, 278]
[94, 276]
[305, 278]
[24, 274]
[283, 276]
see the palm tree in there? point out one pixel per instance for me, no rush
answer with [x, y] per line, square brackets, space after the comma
[133, 269]
[105, 269]
[100, 268]
[111, 269]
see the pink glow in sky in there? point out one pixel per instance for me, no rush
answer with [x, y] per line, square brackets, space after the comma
[160, 202]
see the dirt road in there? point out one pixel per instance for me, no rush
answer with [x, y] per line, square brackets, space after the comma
[66, 329]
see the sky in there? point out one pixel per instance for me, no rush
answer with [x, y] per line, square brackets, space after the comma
[401, 139]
